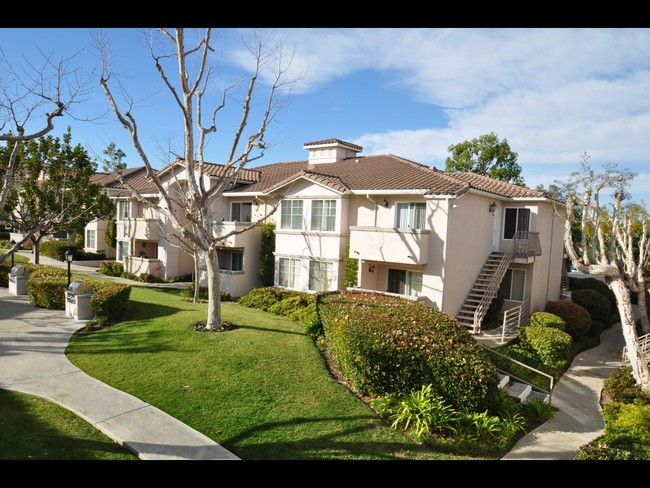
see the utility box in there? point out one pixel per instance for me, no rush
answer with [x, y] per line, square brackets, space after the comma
[77, 301]
[18, 280]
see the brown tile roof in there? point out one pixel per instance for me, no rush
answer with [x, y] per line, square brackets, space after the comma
[497, 187]
[136, 177]
[332, 141]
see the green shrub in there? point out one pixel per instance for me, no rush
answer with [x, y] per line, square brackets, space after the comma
[539, 410]
[386, 345]
[614, 448]
[149, 278]
[267, 259]
[265, 298]
[620, 386]
[110, 300]
[493, 316]
[46, 286]
[594, 302]
[593, 284]
[577, 318]
[5, 268]
[552, 346]
[56, 249]
[111, 268]
[547, 319]
[630, 419]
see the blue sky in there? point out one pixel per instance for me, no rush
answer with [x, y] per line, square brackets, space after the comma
[553, 93]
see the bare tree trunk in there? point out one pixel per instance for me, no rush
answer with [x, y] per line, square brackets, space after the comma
[197, 278]
[214, 291]
[637, 360]
[642, 297]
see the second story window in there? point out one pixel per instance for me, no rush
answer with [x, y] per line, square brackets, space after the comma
[291, 215]
[517, 219]
[241, 212]
[323, 215]
[410, 216]
[123, 210]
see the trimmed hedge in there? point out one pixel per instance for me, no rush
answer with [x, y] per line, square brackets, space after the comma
[552, 346]
[56, 249]
[390, 346]
[547, 319]
[593, 284]
[296, 305]
[110, 299]
[594, 302]
[577, 318]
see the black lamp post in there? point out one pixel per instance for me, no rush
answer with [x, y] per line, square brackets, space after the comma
[69, 254]
[12, 244]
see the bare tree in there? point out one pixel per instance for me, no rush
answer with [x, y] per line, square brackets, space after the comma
[605, 253]
[30, 100]
[189, 207]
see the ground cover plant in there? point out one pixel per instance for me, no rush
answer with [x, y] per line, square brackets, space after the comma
[262, 389]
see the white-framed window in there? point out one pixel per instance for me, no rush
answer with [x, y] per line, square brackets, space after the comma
[410, 215]
[241, 212]
[91, 238]
[516, 219]
[321, 275]
[289, 272]
[514, 284]
[123, 210]
[323, 215]
[123, 250]
[291, 215]
[404, 282]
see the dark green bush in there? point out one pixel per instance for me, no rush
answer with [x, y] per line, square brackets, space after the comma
[149, 278]
[82, 255]
[552, 346]
[593, 284]
[611, 447]
[300, 307]
[56, 249]
[577, 318]
[547, 319]
[5, 268]
[620, 386]
[389, 346]
[594, 302]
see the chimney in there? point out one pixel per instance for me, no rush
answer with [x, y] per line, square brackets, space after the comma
[331, 151]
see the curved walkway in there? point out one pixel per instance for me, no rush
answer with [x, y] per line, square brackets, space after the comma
[33, 361]
[578, 418]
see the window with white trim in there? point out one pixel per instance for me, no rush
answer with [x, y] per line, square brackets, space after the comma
[289, 272]
[123, 209]
[516, 219]
[323, 215]
[91, 240]
[404, 282]
[410, 215]
[241, 211]
[321, 275]
[291, 215]
[514, 284]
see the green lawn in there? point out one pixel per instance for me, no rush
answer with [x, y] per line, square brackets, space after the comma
[32, 428]
[261, 390]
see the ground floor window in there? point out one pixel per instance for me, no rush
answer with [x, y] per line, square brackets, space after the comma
[404, 282]
[123, 250]
[91, 241]
[231, 260]
[289, 272]
[513, 284]
[321, 275]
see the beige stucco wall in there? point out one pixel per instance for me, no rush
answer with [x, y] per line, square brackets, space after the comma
[468, 244]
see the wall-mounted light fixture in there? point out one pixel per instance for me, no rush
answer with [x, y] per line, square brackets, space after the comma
[371, 268]
[493, 207]
[385, 203]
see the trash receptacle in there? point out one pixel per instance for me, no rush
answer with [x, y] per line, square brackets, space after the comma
[18, 280]
[77, 301]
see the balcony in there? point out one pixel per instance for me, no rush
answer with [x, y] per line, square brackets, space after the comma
[526, 247]
[391, 245]
[143, 229]
[245, 239]
[138, 265]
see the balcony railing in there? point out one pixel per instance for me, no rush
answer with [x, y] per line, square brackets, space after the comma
[527, 244]
[391, 245]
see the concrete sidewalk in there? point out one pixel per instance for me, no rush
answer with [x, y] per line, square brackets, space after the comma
[33, 361]
[576, 396]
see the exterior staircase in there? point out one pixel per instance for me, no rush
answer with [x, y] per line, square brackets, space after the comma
[484, 290]
[520, 391]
